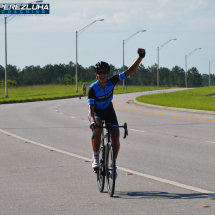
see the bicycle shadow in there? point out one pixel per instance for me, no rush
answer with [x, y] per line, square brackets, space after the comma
[161, 195]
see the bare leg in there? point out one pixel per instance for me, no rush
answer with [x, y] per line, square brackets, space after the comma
[97, 139]
[115, 140]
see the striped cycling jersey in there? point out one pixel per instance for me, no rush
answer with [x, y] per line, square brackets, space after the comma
[101, 98]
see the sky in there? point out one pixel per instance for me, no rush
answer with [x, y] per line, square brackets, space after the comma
[51, 39]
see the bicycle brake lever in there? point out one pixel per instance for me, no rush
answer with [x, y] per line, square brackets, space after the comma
[125, 130]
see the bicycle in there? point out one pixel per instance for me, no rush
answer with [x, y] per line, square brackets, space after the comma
[84, 93]
[107, 160]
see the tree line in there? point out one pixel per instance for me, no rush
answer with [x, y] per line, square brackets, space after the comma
[65, 74]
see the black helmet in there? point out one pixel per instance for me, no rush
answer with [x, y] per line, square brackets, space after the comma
[101, 65]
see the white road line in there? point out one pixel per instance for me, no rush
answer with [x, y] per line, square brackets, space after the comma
[45, 146]
[72, 117]
[184, 186]
[135, 130]
[209, 142]
[61, 113]
[168, 181]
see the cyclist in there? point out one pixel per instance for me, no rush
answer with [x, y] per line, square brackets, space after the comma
[100, 107]
[84, 87]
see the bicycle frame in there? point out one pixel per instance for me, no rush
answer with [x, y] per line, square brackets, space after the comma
[107, 167]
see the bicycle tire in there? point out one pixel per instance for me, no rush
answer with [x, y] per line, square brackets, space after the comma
[101, 170]
[110, 168]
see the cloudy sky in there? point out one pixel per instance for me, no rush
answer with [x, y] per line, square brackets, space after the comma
[41, 40]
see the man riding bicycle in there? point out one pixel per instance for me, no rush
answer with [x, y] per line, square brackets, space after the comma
[100, 107]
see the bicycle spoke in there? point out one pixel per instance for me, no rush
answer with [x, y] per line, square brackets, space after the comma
[110, 169]
[100, 172]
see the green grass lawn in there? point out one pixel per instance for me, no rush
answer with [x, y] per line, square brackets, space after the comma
[198, 98]
[46, 92]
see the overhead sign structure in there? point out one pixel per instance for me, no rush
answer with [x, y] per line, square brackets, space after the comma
[24, 9]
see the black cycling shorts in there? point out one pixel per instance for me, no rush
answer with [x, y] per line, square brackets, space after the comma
[108, 115]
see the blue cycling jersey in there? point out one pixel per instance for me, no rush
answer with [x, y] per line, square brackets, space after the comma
[101, 98]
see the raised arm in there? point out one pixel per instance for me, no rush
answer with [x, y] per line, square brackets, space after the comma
[135, 65]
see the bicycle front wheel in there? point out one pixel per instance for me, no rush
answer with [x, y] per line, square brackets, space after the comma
[110, 168]
[101, 170]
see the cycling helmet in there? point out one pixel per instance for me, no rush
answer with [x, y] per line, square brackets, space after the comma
[101, 65]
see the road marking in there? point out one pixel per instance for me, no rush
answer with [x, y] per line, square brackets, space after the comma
[183, 117]
[209, 142]
[45, 146]
[168, 181]
[135, 130]
[61, 113]
[184, 186]
[72, 117]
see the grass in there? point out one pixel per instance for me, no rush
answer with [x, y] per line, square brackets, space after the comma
[46, 92]
[198, 98]
[37, 93]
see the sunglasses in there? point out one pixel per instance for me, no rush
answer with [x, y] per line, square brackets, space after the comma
[104, 72]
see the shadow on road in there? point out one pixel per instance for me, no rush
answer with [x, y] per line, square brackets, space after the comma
[161, 195]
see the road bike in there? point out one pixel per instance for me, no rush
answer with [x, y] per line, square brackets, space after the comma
[84, 92]
[107, 159]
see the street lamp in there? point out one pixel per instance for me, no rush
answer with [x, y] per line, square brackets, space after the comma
[5, 23]
[210, 71]
[158, 59]
[186, 65]
[124, 41]
[77, 34]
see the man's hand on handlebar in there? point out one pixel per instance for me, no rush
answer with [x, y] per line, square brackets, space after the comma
[93, 125]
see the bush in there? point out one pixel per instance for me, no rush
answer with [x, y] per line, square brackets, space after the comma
[9, 83]
[67, 79]
[2, 84]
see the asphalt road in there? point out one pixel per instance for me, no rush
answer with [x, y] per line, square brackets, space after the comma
[44, 146]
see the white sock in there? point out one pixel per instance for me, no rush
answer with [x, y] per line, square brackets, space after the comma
[95, 154]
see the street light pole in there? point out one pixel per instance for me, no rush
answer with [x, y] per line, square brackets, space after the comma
[123, 61]
[6, 85]
[158, 59]
[77, 34]
[158, 67]
[210, 71]
[186, 71]
[6, 89]
[124, 41]
[186, 56]
[76, 68]
[5, 23]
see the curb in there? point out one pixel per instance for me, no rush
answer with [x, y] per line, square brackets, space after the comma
[175, 109]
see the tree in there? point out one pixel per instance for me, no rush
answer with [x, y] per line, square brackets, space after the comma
[177, 77]
[205, 80]
[194, 79]
[153, 74]
[2, 73]
[164, 76]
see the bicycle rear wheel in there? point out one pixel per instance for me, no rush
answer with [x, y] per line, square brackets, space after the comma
[101, 170]
[110, 168]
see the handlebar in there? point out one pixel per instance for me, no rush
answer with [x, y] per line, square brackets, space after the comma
[109, 126]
